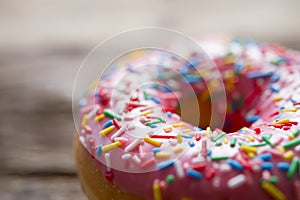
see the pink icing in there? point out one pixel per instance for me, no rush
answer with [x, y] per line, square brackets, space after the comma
[254, 93]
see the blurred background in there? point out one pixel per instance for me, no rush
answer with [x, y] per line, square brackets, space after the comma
[42, 44]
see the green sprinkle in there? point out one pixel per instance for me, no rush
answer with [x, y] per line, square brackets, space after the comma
[219, 137]
[233, 142]
[154, 122]
[273, 179]
[296, 133]
[293, 168]
[170, 178]
[107, 113]
[145, 95]
[258, 144]
[266, 139]
[219, 143]
[291, 143]
[219, 158]
[161, 120]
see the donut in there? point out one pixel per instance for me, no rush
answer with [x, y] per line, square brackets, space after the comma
[134, 144]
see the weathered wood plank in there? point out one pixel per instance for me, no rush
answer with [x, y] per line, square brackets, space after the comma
[36, 188]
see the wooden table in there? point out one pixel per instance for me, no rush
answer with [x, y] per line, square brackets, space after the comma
[36, 125]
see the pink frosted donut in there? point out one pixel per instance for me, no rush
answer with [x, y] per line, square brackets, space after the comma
[135, 139]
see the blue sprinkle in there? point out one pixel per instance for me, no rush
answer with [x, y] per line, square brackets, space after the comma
[267, 165]
[278, 116]
[155, 100]
[208, 153]
[235, 164]
[252, 118]
[165, 89]
[197, 128]
[260, 74]
[183, 71]
[264, 157]
[96, 92]
[191, 143]
[192, 79]
[193, 62]
[186, 136]
[82, 103]
[274, 88]
[155, 150]
[238, 65]
[152, 126]
[234, 105]
[169, 114]
[283, 166]
[281, 107]
[293, 100]
[99, 150]
[275, 77]
[164, 165]
[194, 174]
[107, 124]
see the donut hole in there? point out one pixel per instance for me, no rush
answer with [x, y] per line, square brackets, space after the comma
[242, 101]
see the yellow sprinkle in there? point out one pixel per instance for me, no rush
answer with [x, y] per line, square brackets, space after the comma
[156, 192]
[208, 132]
[177, 150]
[229, 77]
[168, 128]
[289, 110]
[282, 121]
[93, 85]
[111, 146]
[179, 138]
[288, 155]
[84, 120]
[162, 155]
[107, 130]
[281, 149]
[291, 137]
[178, 125]
[147, 112]
[186, 131]
[250, 138]
[99, 117]
[152, 141]
[278, 98]
[229, 60]
[225, 140]
[251, 155]
[249, 149]
[272, 191]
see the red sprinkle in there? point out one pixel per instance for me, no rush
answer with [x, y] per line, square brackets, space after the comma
[116, 123]
[163, 136]
[198, 137]
[199, 167]
[210, 174]
[108, 176]
[257, 130]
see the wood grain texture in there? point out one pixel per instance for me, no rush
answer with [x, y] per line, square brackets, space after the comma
[36, 126]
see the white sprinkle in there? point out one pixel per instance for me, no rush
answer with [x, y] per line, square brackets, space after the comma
[107, 162]
[198, 159]
[93, 112]
[118, 133]
[224, 167]
[173, 142]
[130, 126]
[216, 182]
[236, 181]
[136, 160]
[126, 156]
[121, 139]
[179, 169]
[297, 148]
[186, 165]
[133, 144]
